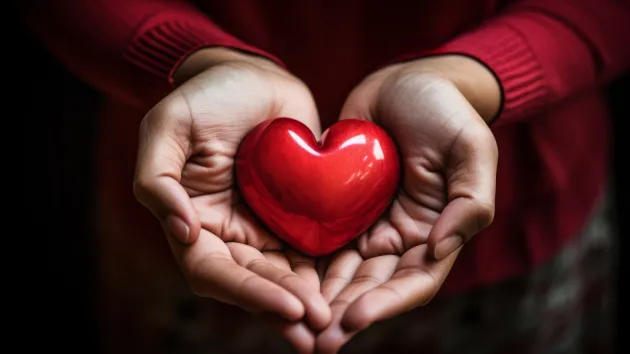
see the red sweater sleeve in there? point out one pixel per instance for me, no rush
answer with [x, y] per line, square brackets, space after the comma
[545, 51]
[126, 48]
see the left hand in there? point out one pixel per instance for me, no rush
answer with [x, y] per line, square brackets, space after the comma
[449, 157]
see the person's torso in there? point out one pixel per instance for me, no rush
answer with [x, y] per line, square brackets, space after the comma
[551, 167]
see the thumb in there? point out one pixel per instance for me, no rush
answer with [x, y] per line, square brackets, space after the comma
[359, 104]
[471, 185]
[162, 153]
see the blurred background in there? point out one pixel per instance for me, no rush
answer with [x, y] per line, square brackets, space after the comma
[60, 113]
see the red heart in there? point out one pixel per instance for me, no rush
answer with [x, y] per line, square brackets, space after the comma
[317, 196]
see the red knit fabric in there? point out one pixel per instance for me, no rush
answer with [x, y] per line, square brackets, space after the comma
[552, 58]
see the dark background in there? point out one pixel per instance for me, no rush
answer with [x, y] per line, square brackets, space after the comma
[59, 123]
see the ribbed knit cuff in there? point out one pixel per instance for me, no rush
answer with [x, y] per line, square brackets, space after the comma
[164, 42]
[507, 54]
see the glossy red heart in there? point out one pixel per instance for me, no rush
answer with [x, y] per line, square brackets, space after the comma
[317, 196]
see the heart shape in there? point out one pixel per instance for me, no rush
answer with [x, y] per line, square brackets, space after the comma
[317, 196]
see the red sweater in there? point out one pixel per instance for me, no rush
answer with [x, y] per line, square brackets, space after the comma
[552, 57]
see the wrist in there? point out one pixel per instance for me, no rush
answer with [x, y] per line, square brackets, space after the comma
[206, 58]
[474, 80]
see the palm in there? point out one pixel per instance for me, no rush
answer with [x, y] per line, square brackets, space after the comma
[209, 182]
[446, 175]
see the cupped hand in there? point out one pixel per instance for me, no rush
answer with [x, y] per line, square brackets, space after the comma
[184, 175]
[449, 159]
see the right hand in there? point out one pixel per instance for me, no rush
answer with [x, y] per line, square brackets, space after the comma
[184, 175]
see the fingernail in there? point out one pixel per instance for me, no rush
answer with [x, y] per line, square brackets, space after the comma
[178, 227]
[447, 246]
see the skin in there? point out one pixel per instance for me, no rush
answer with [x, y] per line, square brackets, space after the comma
[437, 110]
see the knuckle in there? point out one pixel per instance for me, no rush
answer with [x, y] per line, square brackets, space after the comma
[366, 248]
[378, 245]
[195, 288]
[485, 213]
[141, 187]
[256, 264]
[196, 282]
[288, 278]
[366, 279]
[332, 277]
[339, 302]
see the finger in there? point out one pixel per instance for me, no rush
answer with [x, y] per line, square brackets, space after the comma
[417, 279]
[212, 272]
[302, 108]
[163, 151]
[278, 260]
[406, 225]
[360, 102]
[304, 267]
[471, 183]
[383, 237]
[339, 273]
[297, 333]
[224, 215]
[334, 337]
[316, 309]
[370, 274]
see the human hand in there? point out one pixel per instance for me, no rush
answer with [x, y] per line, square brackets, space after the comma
[184, 175]
[434, 108]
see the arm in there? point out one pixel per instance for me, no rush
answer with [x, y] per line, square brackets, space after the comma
[541, 52]
[129, 49]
